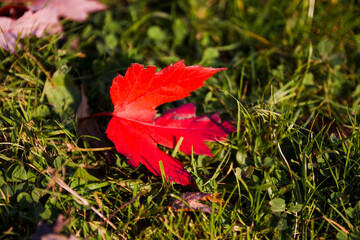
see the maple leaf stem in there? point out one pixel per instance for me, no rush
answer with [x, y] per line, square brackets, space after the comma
[101, 114]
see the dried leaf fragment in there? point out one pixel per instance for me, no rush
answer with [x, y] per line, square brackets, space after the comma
[190, 202]
[41, 16]
[52, 232]
[90, 127]
[68, 9]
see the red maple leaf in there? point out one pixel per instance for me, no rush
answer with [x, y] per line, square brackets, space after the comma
[136, 133]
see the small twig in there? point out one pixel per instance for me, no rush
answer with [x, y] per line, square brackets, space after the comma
[286, 162]
[296, 225]
[72, 148]
[117, 211]
[227, 173]
[336, 224]
[79, 199]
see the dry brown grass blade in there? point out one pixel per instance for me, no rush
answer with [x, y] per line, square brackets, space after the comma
[336, 224]
[78, 198]
[117, 211]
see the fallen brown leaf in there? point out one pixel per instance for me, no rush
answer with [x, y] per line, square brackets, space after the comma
[51, 232]
[67, 9]
[40, 17]
[28, 24]
[190, 202]
[89, 126]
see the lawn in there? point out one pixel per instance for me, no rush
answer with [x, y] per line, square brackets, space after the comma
[291, 88]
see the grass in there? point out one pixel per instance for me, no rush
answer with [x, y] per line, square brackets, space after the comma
[291, 171]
